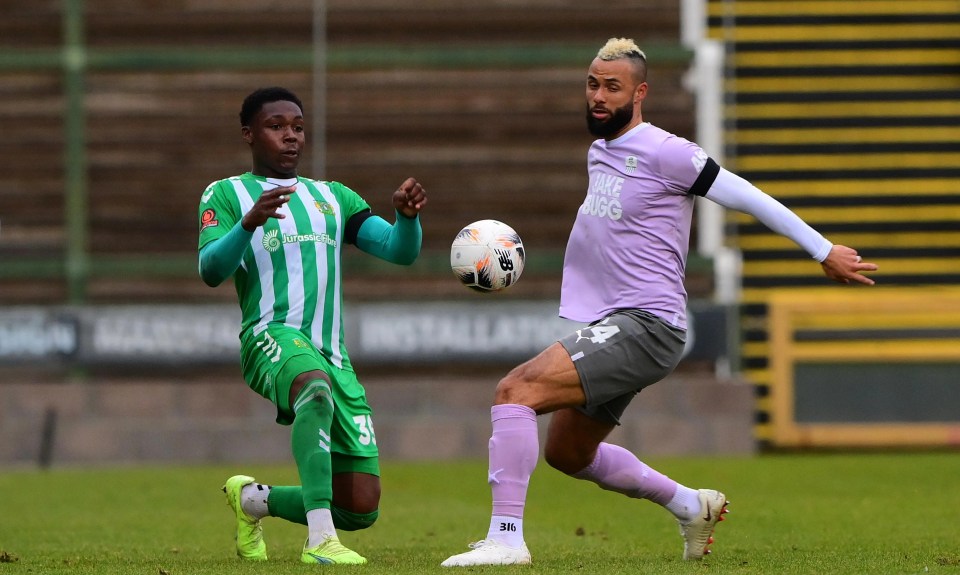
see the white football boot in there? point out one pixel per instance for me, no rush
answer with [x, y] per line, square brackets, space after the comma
[697, 533]
[490, 552]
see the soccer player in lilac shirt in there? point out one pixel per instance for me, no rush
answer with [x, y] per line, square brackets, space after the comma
[623, 275]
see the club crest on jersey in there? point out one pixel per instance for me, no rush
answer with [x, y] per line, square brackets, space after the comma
[631, 164]
[324, 207]
[208, 219]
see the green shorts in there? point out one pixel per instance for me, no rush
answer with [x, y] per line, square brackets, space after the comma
[272, 359]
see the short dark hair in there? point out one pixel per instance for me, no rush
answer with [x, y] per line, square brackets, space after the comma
[255, 101]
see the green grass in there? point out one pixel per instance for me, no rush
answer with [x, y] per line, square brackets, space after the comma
[805, 514]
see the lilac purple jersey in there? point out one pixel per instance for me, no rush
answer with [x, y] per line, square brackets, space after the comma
[628, 246]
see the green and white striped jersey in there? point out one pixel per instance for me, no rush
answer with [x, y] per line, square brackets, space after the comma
[291, 271]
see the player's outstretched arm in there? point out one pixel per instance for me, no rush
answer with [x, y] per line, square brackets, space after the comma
[398, 243]
[843, 265]
[840, 263]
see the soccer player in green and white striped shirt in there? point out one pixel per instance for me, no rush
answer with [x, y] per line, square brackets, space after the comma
[280, 237]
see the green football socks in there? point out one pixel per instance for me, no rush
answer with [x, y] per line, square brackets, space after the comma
[286, 502]
[310, 440]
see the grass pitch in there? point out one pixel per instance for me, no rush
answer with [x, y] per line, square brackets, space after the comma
[805, 514]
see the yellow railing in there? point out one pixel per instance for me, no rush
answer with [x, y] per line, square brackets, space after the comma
[862, 327]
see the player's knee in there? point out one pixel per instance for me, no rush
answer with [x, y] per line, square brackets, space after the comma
[503, 393]
[352, 521]
[368, 501]
[313, 394]
[513, 388]
[356, 492]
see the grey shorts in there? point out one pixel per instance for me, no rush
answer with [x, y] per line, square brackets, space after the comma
[620, 355]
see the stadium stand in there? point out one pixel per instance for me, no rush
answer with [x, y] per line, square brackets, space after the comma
[480, 101]
[849, 113]
[489, 136]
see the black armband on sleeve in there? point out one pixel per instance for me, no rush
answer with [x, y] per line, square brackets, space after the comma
[707, 175]
[353, 226]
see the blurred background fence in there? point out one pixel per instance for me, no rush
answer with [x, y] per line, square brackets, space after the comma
[116, 115]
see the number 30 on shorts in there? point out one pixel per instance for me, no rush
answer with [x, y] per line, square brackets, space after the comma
[364, 425]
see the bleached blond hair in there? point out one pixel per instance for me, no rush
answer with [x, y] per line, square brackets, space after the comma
[617, 48]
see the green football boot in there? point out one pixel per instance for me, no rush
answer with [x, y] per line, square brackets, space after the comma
[331, 552]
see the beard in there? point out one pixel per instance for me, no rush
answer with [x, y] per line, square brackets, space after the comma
[618, 119]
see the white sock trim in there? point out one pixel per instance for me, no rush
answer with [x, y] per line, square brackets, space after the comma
[253, 500]
[319, 526]
[506, 530]
[685, 504]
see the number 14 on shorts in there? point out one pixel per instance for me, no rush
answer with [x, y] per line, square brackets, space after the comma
[598, 334]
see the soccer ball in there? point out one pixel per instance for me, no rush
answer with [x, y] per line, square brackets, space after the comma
[487, 256]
